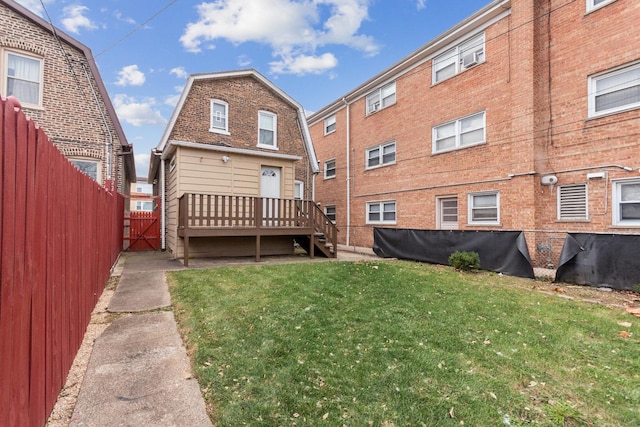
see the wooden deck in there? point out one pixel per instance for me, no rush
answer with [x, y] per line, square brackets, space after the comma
[214, 215]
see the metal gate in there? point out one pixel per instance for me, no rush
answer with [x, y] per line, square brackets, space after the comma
[143, 229]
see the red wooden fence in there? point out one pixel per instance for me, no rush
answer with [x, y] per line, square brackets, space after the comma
[144, 230]
[60, 234]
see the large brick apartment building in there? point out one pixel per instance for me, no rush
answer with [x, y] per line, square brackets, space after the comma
[524, 116]
[58, 84]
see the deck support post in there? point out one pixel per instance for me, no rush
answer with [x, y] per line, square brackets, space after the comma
[257, 248]
[312, 244]
[185, 261]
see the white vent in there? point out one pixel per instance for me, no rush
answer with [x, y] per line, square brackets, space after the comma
[375, 107]
[470, 60]
[572, 201]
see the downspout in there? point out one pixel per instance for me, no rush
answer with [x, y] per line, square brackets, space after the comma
[348, 172]
[163, 211]
[108, 149]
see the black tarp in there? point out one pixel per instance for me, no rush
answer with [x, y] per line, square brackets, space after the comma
[611, 260]
[501, 251]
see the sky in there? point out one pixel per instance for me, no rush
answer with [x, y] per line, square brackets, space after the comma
[314, 50]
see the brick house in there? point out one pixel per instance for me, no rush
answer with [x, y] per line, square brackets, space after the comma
[524, 116]
[56, 80]
[235, 169]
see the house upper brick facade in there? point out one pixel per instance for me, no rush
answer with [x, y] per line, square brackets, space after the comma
[58, 84]
[524, 116]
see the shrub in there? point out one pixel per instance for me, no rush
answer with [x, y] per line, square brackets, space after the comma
[465, 261]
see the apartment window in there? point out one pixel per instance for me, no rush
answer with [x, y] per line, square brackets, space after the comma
[381, 98]
[460, 58]
[298, 190]
[383, 154]
[572, 201]
[381, 212]
[459, 133]
[88, 167]
[219, 116]
[144, 205]
[484, 208]
[614, 91]
[330, 212]
[330, 169]
[267, 129]
[596, 4]
[144, 188]
[626, 202]
[330, 125]
[24, 78]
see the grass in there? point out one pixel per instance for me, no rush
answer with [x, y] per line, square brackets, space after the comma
[402, 344]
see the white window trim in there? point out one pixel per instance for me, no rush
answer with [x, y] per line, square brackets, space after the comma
[591, 6]
[470, 220]
[141, 208]
[615, 197]
[592, 91]
[378, 93]
[382, 220]
[334, 169]
[4, 74]
[335, 213]
[328, 122]
[172, 163]
[213, 129]
[440, 223]
[586, 203]
[275, 130]
[381, 162]
[455, 54]
[98, 163]
[457, 122]
[298, 184]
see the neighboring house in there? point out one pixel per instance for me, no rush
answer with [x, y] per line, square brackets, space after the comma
[56, 80]
[235, 167]
[525, 116]
[141, 196]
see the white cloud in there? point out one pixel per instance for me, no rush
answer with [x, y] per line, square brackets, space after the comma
[34, 5]
[118, 15]
[130, 76]
[294, 29]
[179, 72]
[244, 61]
[75, 18]
[421, 4]
[137, 113]
[142, 164]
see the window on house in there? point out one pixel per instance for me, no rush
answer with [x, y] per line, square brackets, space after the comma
[330, 169]
[381, 212]
[460, 58]
[614, 91]
[330, 125]
[330, 212]
[382, 154]
[144, 188]
[24, 78]
[572, 201]
[172, 163]
[595, 4]
[88, 167]
[298, 190]
[459, 133]
[144, 205]
[484, 208]
[219, 116]
[267, 130]
[626, 202]
[381, 98]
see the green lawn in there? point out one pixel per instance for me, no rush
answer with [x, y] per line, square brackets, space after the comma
[395, 343]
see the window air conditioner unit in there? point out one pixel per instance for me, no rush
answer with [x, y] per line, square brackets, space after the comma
[470, 60]
[374, 108]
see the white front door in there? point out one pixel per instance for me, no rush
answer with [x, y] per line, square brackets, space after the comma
[270, 191]
[447, 213]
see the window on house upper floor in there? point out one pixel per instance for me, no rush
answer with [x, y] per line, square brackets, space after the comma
[572, 202]
[144, 205]
[383, 154]
[88, 167]
[330, 169]
[267, 132]
[596, 4]
[460, 133]
[614, 91]
[330, 212]
[626, 202]
[219, 117]
[458, 59]
[484, 208]
[143, 187]
[330, 125]
[381, 98]
[22, 78]
[381, 212]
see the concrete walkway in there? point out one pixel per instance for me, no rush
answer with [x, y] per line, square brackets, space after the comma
[139, 373]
